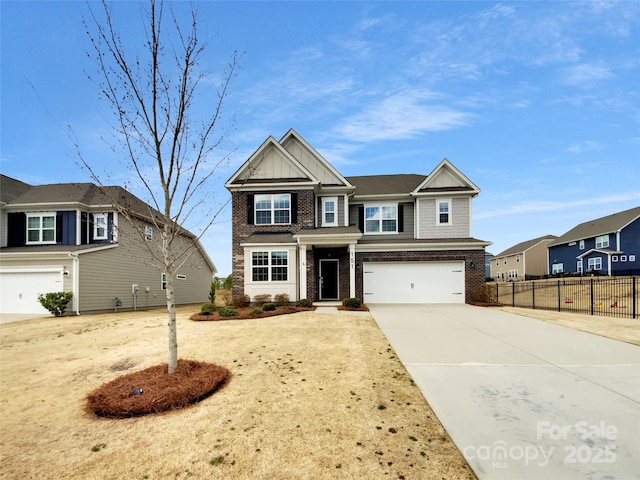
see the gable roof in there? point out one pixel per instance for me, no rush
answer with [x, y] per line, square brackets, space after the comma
[446, 178]
[368, 185]
[11, 188]
[524, 246]
[600, 226]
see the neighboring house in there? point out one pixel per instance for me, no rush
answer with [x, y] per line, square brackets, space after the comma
[487, 264]
[609, 246]
[526, 259]
[301, 228]
[71, 237]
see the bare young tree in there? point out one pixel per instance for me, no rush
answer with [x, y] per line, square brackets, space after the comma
[151, 92]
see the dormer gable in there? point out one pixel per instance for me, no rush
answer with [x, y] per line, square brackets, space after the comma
[271, 164]
[446, 179]
[312, 160]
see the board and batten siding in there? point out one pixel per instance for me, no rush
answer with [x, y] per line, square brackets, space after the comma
[460, 226]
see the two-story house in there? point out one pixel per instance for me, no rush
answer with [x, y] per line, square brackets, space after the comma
[526, 259]
[302, 228]
[608, 246]
[73, 237]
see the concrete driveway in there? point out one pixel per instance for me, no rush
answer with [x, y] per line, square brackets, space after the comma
[522, 398]
[16, 317]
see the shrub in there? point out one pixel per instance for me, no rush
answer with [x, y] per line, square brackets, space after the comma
[227, 312]
[262, 299]
[228, 283]
[240, 301]
[55, 302]
[281, 299]
[304, 302]
[207, 309]
[352, 302]
[268, 307]
[212, 293]
[255, 311]
[485, 293]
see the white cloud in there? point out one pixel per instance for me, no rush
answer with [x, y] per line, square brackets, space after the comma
[585, 75]
[585, 146]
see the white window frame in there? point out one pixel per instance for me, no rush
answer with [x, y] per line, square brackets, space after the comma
[100, 221]
[623, 258]
[632, 258]
[614, 258]
[602, 241]
[382, 209]
[325, 222]
[148, 232]
[595, 263]
[557, 268]
[449, 208]
[579, 266]
[517, 258]
[581, 245]
[271, 198]
[41, 228]
[273, 266]
[163, 281]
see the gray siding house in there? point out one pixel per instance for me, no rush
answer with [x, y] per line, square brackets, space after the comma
[302, 228]
[73, 237]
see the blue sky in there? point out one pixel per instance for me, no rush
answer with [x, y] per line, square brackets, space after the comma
[536, 102]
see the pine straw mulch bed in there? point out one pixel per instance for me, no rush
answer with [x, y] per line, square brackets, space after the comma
[244, 313]
[152, 390]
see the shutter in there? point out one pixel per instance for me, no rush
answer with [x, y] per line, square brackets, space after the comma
[84, 226]
[361, 218]
[16, 229]
[250, 209]
[59, 230]
[294, 208]
[110, 227]
[90, 229]
[400, 218]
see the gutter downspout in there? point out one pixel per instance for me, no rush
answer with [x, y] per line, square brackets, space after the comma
[76, 282]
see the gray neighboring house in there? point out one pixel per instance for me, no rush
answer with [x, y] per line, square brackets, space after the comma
[526, 259]
[71, 237]
[303, 229]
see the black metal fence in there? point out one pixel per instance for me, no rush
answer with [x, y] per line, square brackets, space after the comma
[606, 296]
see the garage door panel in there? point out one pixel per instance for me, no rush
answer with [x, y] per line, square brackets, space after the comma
[414, 282]
[20, 290]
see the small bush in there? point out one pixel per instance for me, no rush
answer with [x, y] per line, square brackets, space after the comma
[260, 300]
[227, 312]
[55, 302]
[240, 301]
[255, 311]
[304, 302]
[268, 307]
[485, 293]
[212, 292]
[207, 309]
[351, 302]
[281, 299]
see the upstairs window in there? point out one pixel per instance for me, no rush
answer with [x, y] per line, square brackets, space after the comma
[581, 246]
[443, 214]
[602, 241]
[273, 209]
[41, 228]
[381, 219]
[148, 232]
[100, 226]
[330, 211]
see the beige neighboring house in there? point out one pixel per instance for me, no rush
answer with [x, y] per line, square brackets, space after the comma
[526, 259]
[71, 237]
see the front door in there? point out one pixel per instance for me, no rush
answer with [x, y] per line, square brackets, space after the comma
[328, 279]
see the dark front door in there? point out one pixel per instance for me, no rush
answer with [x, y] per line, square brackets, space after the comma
[328, 279]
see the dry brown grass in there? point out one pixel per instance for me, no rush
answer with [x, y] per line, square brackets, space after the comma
[312, 397]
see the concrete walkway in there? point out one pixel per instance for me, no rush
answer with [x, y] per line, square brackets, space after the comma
[522, 398]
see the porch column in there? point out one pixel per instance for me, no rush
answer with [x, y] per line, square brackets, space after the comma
[302, 271]
[352, 270]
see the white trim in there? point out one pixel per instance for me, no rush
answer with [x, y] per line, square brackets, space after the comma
[40, 229]
[449, 203]
[323, 219]
[380, 206]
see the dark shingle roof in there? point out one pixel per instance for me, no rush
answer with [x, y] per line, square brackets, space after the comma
[599, 226]
[11, 188]
[386, 184]
[523, 246]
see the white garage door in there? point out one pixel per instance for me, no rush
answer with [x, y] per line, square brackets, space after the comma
[19, 290]
[414, 282]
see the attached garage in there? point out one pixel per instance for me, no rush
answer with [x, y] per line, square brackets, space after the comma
[414, 282]
[20, 289]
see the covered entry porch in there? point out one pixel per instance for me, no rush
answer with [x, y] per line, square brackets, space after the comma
[327, 259]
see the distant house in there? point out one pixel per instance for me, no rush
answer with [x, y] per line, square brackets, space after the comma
[526, 259]
[487, 264]
[71, 237]
[301, 228]
[608, 246]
